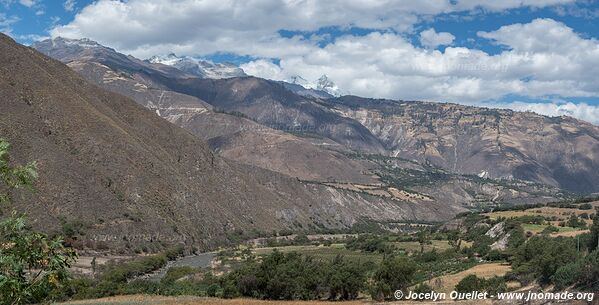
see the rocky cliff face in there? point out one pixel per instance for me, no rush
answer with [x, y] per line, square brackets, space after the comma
[311, 162]
[265, 123]
[562, 152]
[132, 179]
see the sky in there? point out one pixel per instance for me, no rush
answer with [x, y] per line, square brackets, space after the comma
[529, 55]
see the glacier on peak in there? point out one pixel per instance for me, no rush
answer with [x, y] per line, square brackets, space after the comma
[198, 67]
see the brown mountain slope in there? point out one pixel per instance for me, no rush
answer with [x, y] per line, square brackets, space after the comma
[232, 136]
[308, 158]
[562, 152]
[299, 151]
[132, 178]
[113, 164]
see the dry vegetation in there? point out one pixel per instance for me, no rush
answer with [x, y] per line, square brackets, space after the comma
[162, 300]
[447, 283]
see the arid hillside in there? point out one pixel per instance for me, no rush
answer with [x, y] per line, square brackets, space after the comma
[126, 177]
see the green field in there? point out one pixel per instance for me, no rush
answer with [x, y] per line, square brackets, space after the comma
[328, 253]
[539, 228]
[414, 246]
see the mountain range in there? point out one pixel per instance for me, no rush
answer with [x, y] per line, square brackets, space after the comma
[142, 151]
[198, 68]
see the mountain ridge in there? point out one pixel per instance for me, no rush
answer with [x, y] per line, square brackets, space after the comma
[131, 179]
[406, 129]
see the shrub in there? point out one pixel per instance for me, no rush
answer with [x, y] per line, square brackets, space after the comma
[175, 273]
[470, 283]
[566, 275]
[368, 243]
[473, 283]
[549, 230]
[393, 273]
[541, 256]
[32, 265]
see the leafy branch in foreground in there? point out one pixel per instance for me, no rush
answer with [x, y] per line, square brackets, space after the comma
[31, 264]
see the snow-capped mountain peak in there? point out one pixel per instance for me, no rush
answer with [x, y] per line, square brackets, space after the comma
[85, 43]
[323, 84]
[198, 67]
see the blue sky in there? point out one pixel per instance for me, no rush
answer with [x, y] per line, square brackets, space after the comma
[36, 19]
[525, 55]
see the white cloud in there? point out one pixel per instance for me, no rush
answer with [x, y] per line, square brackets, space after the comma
[69, 5]
[31, 37]
[431, 39]
[387, 65]
[264, 69]
[541, 35]
[507, 4]
[6, 23]
[581, 111]
[541, 58]
[203, 27]
[28, 3]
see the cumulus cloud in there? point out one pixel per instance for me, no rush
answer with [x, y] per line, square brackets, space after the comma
[387, 65]
[383, 63]
[431, 39]
[203, 27]
[507, 4]
[582, 111]
[27, 3]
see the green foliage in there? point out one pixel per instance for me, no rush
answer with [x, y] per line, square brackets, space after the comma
[71, 229]
[123, 271]
[345, 279]
[470, 283]
[594, 239]
[549, 230]
[279, 276]
[117, 278]
[541, 256]
[212, 290]
[369, 243]
[473, 283]
[582, 274]
[32, 265]
[575, 222]
[393, 273]
[482, 245]
[589, 275]
[175, 273]
[422, 288]
[13, 177]
[516, 239]
[566, 275]
[293, 276]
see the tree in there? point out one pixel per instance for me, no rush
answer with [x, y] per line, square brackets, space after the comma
[542, 256]
[470, 283]
[473, 283]
[594, 240]
[393, 273]
[344, 279]
[423, 239]
[454, 239]
[31, 264]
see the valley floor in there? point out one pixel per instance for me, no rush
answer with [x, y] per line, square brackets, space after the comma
[162, 300]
